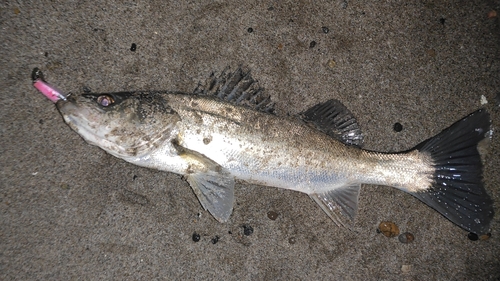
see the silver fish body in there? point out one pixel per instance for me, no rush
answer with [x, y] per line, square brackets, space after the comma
[212, 142]
[282, 152]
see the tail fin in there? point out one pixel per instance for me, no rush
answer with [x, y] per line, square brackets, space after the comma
[457, 190]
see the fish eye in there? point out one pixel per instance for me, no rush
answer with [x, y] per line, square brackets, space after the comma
[105, 100]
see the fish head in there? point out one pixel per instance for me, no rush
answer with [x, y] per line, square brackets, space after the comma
[123, 124]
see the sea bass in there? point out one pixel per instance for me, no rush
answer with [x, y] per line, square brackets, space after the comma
[226, 131]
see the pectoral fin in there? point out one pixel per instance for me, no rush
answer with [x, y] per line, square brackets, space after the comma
[215, 190]
[212, 184]
[340, 204]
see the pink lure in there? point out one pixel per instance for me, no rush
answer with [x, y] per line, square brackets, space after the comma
[48, 90]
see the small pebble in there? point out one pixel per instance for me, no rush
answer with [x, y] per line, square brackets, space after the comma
[215, 239]
[484, 100]
[312, 44]
[485, 236]
[431, 52]
[196, 237]
[325, 29]
[272, 215]
[344, 4]
[472, 236]
[398, 127]
[291, 240]
[331, 63]
[133, 47]
[389, 229]
[250, 30]
[405, 268]
[492, 14]
[247, 230]
[406, 238]
[442, 20]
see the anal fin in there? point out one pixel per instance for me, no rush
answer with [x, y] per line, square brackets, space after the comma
[340, 204]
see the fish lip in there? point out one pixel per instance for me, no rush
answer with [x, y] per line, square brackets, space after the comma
[66, 106]
[61, 103]
[68, 110]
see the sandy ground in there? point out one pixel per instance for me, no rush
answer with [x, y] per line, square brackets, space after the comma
[69, 211]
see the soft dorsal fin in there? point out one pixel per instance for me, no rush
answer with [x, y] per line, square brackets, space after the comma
[334, 119]
[236, 87]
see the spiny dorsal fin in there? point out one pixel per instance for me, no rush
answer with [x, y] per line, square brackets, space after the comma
[236, 87]
[334, 119]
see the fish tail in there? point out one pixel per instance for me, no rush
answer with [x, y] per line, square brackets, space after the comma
[457, 190]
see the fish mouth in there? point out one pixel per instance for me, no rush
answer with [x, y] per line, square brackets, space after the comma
[78, 119]
[97, 136]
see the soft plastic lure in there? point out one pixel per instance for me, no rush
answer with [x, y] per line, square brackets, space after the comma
[51, 92]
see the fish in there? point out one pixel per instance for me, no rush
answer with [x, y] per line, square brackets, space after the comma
[227, 130]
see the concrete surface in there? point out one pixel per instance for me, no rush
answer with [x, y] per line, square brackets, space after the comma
[69, 211]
